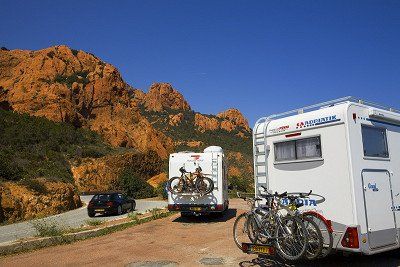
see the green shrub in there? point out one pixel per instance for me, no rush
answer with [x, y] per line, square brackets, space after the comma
[32, 147]
[48, 228]
[240, 184]
[94, 222]
[133, 216]
[134, 186]
[161, 190]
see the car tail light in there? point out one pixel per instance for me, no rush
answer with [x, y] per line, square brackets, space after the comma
[219, 207]
[90, 204]
[245, 247]
[350, 238]
[109, 204]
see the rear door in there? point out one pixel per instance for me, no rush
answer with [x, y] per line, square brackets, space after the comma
[379, 208]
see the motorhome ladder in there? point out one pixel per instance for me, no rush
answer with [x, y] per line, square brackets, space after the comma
[214, 170]
[260, 153]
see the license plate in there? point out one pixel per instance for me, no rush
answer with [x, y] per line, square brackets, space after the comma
[99, 210]
[195, 208]
[259, 249]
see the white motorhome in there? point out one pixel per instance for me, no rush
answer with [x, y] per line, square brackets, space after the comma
[346, 150]
[213, 164]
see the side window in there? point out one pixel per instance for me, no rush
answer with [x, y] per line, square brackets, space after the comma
[285, 151]
[308, 148]
[374, 142]
[298, 149]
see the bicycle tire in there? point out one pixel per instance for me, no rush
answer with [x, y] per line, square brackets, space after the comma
[326, 232]
[173, 189]
[242, 217]
[298, 229]
[315, 239]
[199, 184]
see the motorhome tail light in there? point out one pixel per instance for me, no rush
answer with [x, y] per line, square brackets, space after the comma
[109, 204]
[350, 238]
[292, 135]
[354, 116]
[329, 224]
[172, 207]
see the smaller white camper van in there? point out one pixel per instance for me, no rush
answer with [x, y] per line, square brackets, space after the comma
[213, 164]
[346, 150]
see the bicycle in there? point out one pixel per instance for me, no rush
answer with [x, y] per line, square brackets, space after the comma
[323, 224]
[286, 233]
[188, 182]
[315, 238]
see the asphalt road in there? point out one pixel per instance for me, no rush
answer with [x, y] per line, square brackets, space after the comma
[71, 219]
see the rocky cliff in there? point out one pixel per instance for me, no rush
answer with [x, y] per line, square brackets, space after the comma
[22, 202]
[73, 86]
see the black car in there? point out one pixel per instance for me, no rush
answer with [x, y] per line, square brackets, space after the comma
[110, 203]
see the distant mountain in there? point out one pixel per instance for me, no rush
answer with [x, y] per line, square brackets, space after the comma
[79, 89]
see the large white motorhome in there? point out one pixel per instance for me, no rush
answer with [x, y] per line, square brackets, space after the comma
[346, 150]
[213, 164]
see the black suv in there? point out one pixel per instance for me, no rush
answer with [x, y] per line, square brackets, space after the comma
[110, 203]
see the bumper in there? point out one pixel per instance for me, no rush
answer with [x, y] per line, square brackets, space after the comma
[102, 210]
[198, 209]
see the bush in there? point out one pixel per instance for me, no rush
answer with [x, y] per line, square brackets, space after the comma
[240, 184]
[32, 147]
[94, 222]
[48, 228]
[161, 190]
[134, 186]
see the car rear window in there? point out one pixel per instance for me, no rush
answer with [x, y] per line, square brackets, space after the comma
[102, 197]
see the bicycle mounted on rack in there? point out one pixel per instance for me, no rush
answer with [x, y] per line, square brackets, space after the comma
[282, 227]
[189, 182]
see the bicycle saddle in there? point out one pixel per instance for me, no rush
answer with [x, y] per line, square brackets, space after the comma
[182, 170]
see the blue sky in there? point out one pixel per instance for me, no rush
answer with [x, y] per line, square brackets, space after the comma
[262, 57]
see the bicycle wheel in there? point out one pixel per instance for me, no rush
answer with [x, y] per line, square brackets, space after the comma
[291, 238]
[204, 185]
[325, 229]
[176, 185]
[315, 239]
[243, 230]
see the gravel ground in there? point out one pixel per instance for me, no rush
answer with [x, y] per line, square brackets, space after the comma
[173, 241]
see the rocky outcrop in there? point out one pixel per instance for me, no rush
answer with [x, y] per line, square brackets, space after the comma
[163, 96]
[205, 123]
[67, 85]
[233, 118]
[20, 202]
[175, 120]
[158, 179]
[102, 174]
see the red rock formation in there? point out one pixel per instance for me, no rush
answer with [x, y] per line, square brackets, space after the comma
[233, 118]
[162, 96]
[73, 86]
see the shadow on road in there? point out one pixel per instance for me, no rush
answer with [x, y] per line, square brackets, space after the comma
[390, 259]
[212, 218]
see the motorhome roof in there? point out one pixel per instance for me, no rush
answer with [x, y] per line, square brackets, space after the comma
[330, 103]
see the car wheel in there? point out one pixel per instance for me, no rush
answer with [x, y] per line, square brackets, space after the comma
[91, 214]
[119, 210]
[133, 205]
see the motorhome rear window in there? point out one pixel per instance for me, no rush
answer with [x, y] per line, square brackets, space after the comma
[299, 149]
[374, 142]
